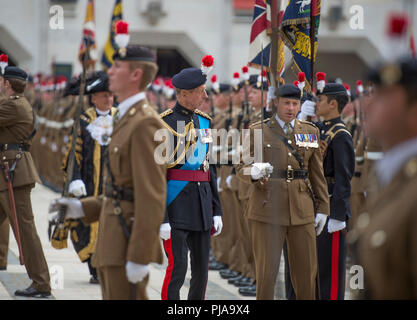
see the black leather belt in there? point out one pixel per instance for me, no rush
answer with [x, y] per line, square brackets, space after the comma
[14, 146]
[290, 174]
[119, 193]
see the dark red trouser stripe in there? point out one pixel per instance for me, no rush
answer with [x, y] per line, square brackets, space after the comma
[170, 267]
[335, 266]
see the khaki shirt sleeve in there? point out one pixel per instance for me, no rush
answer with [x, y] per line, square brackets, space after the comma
[318, 181]
[8, 113]
[150, 187]
[92, 208]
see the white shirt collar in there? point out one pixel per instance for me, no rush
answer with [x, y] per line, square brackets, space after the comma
[282, 123]
[125, 105]
[102, 113]
[394, 159]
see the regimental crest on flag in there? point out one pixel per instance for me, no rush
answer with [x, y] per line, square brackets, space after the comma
[306, 140]
[295, 32]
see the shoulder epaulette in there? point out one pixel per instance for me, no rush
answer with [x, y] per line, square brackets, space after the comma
[201, 113]
[259, 122]
[308, 122]
[165, 113]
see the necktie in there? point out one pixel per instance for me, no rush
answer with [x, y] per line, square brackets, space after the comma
[288, 129]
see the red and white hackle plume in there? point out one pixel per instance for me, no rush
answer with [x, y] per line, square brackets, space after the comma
[235, 80]
[214, 84]
[359, 87]
[245, 73]
[320, 81]
[122, 36]
[157, 84]
[168, 88]
[262, 79]
[4, 62]
[397, 42]
[207, 64]
[301, 80]
[347, 87]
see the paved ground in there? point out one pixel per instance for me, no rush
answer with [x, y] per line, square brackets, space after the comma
[69, 277]
[75, 274]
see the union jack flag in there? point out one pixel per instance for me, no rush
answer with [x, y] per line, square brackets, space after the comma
[260, 37]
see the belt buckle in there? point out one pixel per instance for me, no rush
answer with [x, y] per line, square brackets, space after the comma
[290, 174]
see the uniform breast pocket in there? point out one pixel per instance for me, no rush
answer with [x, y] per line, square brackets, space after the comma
[271, 154]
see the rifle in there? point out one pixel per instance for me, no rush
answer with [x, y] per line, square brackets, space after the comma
[211, 104]
[230, 119]
[60, 222]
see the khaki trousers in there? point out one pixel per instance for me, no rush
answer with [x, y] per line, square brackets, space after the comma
[4, 242]
[34, 258]
[267, 241]
[115, 286]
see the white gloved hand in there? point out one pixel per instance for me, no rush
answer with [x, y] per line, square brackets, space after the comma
[218, 185]
[165, 231]
[335, 225]
[229, 181]
[270, 96]
[218, 225]
[308, 108]
[74, 207]
[260, 170]
[77, 188]
[136, 272]
[319, 222]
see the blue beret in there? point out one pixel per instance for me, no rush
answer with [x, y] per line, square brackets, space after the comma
[14, 73]
[333, 88]
[189, 78]
[289, 91]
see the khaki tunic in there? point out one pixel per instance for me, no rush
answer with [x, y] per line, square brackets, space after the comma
[281, 210]
[16, 124]
[387, 242]
[132, 163]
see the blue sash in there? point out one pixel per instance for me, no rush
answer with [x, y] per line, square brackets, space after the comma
[174, 187]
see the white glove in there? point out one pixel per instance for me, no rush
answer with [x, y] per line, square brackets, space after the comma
[260, 170]
[229, 181]
[218, 185]
[77, 188]
[218, 225]
[270, 96]
[136, 272]
[319, 222]
[165, 231]
[335, 225]
[308, 108]
[74, 207]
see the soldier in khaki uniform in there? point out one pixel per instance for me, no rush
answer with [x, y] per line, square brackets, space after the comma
[385, 235]
[16, 132]
[133, 207]
[280, 206]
